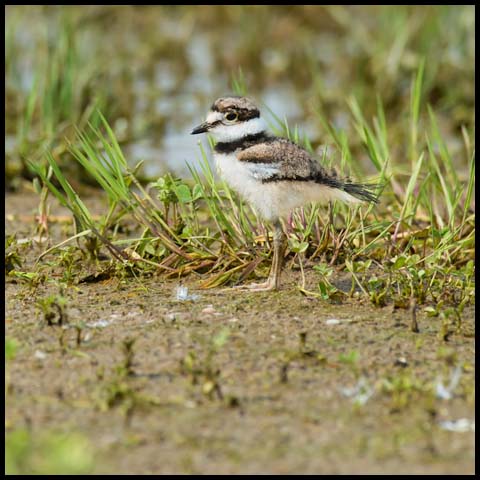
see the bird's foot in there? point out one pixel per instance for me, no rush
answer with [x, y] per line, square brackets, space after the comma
[270, 284]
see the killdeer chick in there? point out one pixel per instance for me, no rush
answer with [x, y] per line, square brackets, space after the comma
[274, 174]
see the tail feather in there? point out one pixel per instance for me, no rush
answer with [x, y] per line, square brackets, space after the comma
[366, 192]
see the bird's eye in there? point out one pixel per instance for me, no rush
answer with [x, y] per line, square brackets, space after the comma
[231, 116]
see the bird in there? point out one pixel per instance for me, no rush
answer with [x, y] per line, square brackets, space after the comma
[273, 174]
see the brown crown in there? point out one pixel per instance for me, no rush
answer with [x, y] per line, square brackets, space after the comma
[243, 106]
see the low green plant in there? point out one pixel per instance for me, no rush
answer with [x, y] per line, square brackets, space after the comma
[53, 309]
[204, 371]
[13, 256]
[47, 453]
[411, 250]
[11, 348]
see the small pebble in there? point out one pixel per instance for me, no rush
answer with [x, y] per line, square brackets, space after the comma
[461, 425]
[170, 317]
[209, 310]
[401, 362]
[99, 324]
[332, 321]
[40, 355]
[181, 293]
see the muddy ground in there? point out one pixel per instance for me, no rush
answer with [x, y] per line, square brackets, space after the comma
[235, 382]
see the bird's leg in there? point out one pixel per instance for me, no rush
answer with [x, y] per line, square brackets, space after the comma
[279, 246]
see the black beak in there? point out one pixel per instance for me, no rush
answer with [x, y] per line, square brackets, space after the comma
[204, 127]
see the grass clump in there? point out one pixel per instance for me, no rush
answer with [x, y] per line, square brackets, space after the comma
[418, 244]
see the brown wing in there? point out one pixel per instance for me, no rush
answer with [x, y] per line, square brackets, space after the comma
[281, 159]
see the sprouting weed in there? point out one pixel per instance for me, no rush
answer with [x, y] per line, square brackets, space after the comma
[203, 371]
[128, 354]
[53, 309]
[13, 257]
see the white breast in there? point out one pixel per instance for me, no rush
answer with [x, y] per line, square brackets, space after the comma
[238, 177]
[275, 199]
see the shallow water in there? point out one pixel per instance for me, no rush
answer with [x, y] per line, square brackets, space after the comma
[164, 66]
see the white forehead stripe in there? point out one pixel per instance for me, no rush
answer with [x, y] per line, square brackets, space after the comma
[214, 117]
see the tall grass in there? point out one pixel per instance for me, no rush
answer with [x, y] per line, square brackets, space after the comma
[410, 244]
[424, 223]
[52, 95]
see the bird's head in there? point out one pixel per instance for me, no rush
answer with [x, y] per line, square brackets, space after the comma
[232, 118]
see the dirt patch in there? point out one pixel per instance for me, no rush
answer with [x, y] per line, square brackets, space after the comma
[234, 382]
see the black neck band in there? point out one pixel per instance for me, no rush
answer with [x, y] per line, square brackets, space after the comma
[242, 143]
